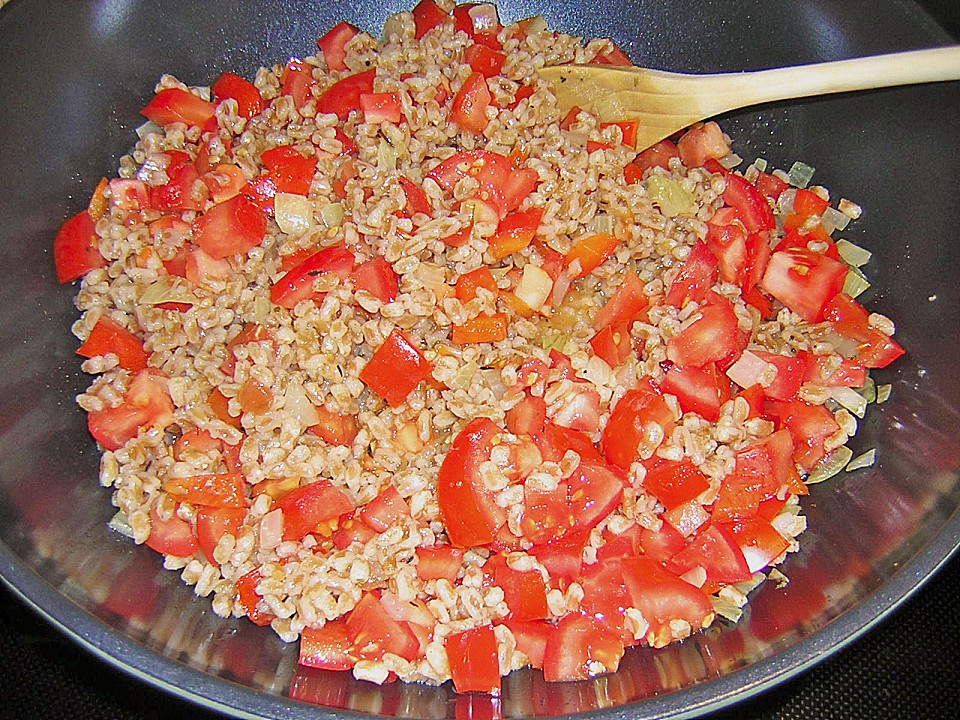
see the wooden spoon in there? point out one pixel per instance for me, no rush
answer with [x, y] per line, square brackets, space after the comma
[665, 102]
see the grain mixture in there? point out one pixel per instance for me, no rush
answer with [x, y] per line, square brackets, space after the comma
[255, 390]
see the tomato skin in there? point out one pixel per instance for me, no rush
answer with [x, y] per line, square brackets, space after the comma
[328, 647]
[499, 179]
[229, 228]
[803, 280]
[248, 98]
[612, 345]
[515, 232]
[658, 155]
[417, 201]
[474, 666]
[696, 278]
[661, 596]
[76, 248]
[146, 403]
[467, 284]
[531, 637]
[177, 105]
[624, 432]
[344, 95]
[527, 417]
[595, 491]
[760, 542]
[173, 536]
[309, 505]
[466, 522]
[108, 336]
[575, 645]
[214, 523]
[290, 171]
[790, 375]
[333, 45]
[395, 369]
[714, 337]
[469, 109]
[297, 284]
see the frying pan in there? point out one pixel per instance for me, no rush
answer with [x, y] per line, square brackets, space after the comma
[74, 76]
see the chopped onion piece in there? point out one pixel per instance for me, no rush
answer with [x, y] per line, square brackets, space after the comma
[833, 219]
[147, 128]
[331, 215]
[785, 201]
[869, 390]
[883, 392]
[670, 196]
[534, 286]
[465, 375]
[298, 405]
[293, 213]
[863, 460]
[386, 156]
[602, 223]
[120, 524]
[851, 254]
[167, 290]
[850, 399]
[760, 164]
[494, 381]
[855, 283]
[696, 576]
[750, 369]
[261, 309]
[554, 341]
[730, 160]
[850, 209]
[831, 465]
[800, 174]
[484, 17]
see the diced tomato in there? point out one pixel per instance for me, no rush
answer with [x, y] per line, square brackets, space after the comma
[716, 550]
[177, 105]
[770, 186]
[479, 21]
[76, 248]
[297, 80]
[173, 536]
[261, 191]
[612, 345]
[687, 518]
[417, 201]
[729, 244]
[752, 207]
[830, 371]
[662, 544]
[714, 337]
[658, 155]
[850, 319]
[108, 336]
[589, 252]
[611, 56]
[469, 516]
[378, 278]
[499, 180]
[605, 598]
[701, 143]
[290, 171]
[215, 522]
[224, 490]
[146, 403]
[344, 95]
[546, 514]
[309, 505]
[245, 93]
[219, 406]
[229, 228]
[807, 203]
[482, 328]
[385, 510]
[439, 561]
[779, 446]
[254, 397]
[563, 558]
[751, 482]
[527, 417]
[524, 591]
[395, 369]
[514, 232]
[183, 189]
[809, 425]
[484, 60]
[129, 194]
[224, 181]
[578, 647]
[626, 304]
[472, 653]
[789, 377]
[696, 278]
[426, 16]
[804, 281]
[333, 45]
[662, 597]
[595, 491]
[373, 632]
[350, 529]
[531, 637]
[674, 483]
[297, 284]
[249, 598]
[628, 131]
[468, 284]
[469, 109]
[626, 430]
[381, 107]
[328, 647]
[759, 541]
[701, 390]
[335, 428]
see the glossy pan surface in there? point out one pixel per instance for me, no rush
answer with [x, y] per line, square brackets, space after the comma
[74, 76]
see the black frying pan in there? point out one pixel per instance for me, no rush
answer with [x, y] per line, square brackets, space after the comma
[72, 77]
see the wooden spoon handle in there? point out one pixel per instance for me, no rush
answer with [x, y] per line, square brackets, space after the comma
[736, 90]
